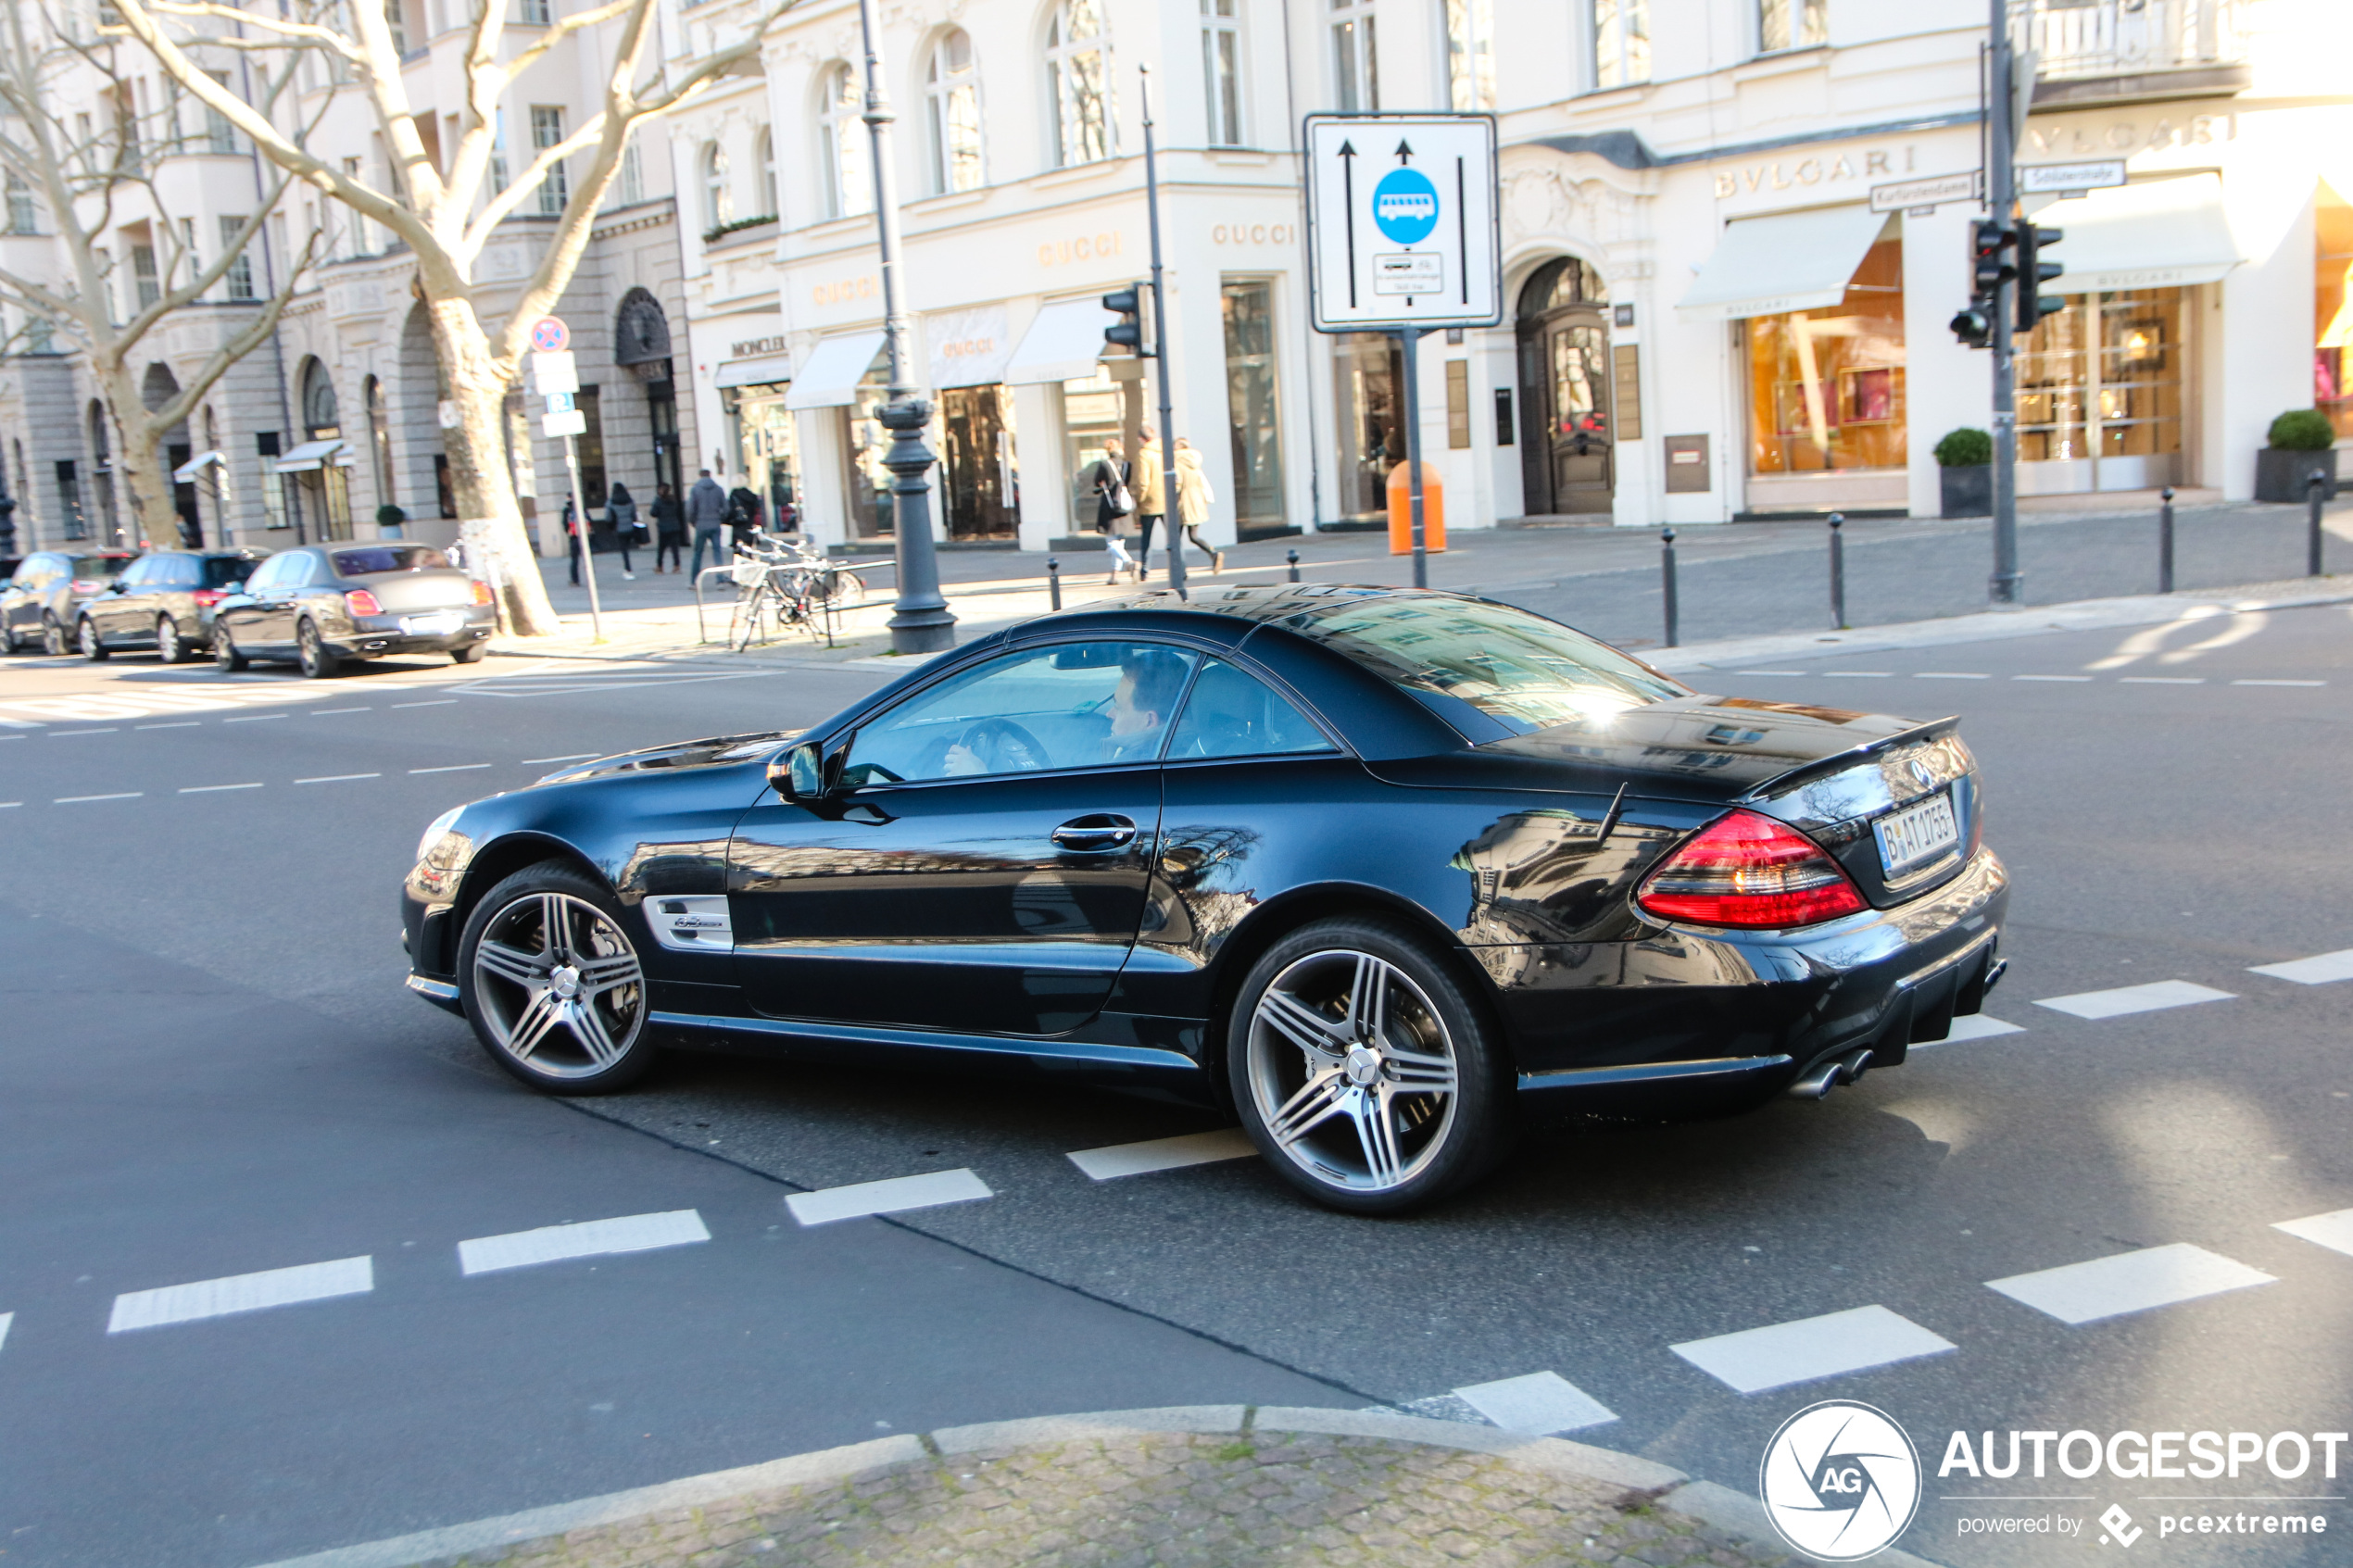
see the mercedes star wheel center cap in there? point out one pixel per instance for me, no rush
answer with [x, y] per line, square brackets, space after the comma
[565, 981]
[1363, 1066]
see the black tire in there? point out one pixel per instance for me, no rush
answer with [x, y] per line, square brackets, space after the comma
[86, 638]
[224, 650]
[170, 646]
[607, 1048]
[470, 654]
[53, 636]
[1430, 1034]
[310, 652]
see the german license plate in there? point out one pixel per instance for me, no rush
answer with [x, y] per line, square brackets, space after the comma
[1917, 834]
[432, 626]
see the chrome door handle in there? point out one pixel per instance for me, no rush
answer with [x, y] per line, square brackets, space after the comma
[1104, 830]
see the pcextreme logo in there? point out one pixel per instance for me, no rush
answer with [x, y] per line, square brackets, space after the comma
[1839, 1481]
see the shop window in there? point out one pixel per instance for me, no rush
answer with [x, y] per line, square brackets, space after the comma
[764, 436]
[1621, 43]
[590, 447]
[2332, 309]
[953, 97]
[1368, 370]
[864, 444]
[980, 482]
[1092, 410]
[1253, 407]
[2123, 401]
[1826, 386]
[1078, 83]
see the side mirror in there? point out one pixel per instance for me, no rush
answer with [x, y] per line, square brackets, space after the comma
[798, 776]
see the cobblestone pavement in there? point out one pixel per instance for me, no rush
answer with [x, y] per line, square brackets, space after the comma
[1165, 1500]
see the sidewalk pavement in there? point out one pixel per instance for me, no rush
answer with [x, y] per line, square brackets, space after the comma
[1220, 1487]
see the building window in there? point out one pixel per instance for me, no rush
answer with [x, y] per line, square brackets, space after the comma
[1355, 62]
[371, 393]
[629, 186]
[24, 217]
[146, 286]
[1470, 55]
[590, 447]
[220, 136]
[1826, 386]
[718, 202]
[398, 25]
[842, 139]
[1792, 24]
[239, 276]
[1078, 82]
[2331, 308]
[951, 94]
[498, 149]
[534, 13]
[1253, 407]
[547, 131]
[1621, 43]
[767, 203]
[77, 526]
[1221, 70]
[1367, 370]
[2119, 397]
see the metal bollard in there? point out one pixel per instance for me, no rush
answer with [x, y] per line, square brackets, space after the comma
[2314, 488]
[1054, 580]
[1294, 566]
[1838, 571]
[2165, 540]
[1667, 581]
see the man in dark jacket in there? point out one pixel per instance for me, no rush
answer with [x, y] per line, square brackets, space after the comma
[706, 516]
[743, 513]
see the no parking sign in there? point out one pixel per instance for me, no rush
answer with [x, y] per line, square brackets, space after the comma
[549, 335]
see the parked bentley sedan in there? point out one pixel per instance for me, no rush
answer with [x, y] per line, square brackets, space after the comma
[322, 605]
[164, 601]
[40, 597]
[1371, 867]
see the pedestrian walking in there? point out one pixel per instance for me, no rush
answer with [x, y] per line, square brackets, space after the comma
[1193, 500]
[1114, 505]
[622, 508]
[705, 515]
[670, 529]
[571, 539]
[743, 513]
[1151, 501]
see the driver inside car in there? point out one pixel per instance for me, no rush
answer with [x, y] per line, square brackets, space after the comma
[1141, 707]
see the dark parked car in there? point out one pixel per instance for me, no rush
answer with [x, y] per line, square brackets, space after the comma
[163, 601]
[1368, 866]
[323, 605]
[42, 596]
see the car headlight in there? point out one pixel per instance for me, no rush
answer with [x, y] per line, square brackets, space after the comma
[435, 829]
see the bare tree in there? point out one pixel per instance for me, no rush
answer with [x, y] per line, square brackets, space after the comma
[92, 170]
[447, 212]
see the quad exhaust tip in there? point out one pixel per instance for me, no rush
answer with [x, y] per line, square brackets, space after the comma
[1816, 1082]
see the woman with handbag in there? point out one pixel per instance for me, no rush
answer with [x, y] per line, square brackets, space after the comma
[1115, 506]
[622, 508]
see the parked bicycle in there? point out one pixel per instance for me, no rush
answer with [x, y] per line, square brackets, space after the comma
[789, 585]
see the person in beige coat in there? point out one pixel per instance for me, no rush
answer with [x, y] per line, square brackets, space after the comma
[1193, 500]
[1151, 503]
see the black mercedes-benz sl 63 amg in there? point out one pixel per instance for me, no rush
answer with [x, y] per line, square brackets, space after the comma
[1374, 867]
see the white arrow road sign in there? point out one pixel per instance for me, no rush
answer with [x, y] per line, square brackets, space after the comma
[1402, 221]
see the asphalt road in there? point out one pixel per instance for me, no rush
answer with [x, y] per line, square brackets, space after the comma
[213, 1071]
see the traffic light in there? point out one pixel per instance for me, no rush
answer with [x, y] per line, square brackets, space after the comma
[1974, 325]
[1128, 330]
[2034, 273]
[1989, 264]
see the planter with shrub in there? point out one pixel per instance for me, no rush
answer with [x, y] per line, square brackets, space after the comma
[2301, 440]
[388, 520]
[1965, 467]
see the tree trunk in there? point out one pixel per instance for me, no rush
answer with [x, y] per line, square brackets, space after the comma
[479, 476]
[138, 462]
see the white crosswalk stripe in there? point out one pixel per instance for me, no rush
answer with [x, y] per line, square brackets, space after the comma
[2332, 1231]
[1163, 1154]
[2129, 1282]
[241, 1293]
[2318, 969]
[1539, 1404]
[589, 1238]
[1973, 1026]
[892, 1196]
[2152, 997]
[1783, 1354]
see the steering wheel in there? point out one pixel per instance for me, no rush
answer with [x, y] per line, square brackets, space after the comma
[1003, 746]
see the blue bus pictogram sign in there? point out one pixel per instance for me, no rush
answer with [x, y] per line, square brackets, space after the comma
[1405, 206]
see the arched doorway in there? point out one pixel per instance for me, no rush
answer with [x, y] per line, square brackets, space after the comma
[323, 483]
[641, 346]
[159, 388]
[1568, 457]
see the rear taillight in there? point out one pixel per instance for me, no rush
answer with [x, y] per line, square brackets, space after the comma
[88, 584]
[1745, 870]
[481, 593]
[361, 602]
[206, 597]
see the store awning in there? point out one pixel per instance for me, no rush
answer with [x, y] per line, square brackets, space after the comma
[754, 372]
[2162, 234]
[1784, 261]
[186, 473]
[311, 455]
[1062, 344]
[968, 348]
[830, 378]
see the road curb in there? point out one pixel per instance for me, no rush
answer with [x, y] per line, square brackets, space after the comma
[1659, 1485]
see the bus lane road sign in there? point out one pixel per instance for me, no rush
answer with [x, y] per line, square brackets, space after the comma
[1401, 229]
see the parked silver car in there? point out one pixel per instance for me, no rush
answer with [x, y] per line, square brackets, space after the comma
[323, 605]
[40, 599]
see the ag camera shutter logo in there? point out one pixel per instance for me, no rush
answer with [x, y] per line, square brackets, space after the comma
[1839, 1481]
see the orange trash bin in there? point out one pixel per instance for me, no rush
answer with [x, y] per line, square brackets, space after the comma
[1401, 511]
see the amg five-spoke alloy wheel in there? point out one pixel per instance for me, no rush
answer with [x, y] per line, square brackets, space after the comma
[553, 986]
[1362, 1072]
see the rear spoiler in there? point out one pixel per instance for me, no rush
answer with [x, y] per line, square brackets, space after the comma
[1839, 761]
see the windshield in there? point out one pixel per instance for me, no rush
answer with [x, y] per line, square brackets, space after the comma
[1525, 671]
[379, 558]
[220, 572]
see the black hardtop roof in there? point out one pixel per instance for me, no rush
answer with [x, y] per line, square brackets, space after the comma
[1221, 604]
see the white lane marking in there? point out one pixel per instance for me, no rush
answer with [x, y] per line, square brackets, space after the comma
[109, 730]
[2161, 679]
[2332, 1231]
[215, 790]
[1972, 1026]
[2279, 682]
[437, 702]
[453, 768]
[1163, 1154]
[5, 1319]
[1863, 674]
[78, 800]
[1773, 671]
[2130, 1282]
[2050, 677]
[2125, 999]
[241, 1293]
[175, 724]
[255, 717]
[1757, 1359]
[331, 712]
[634, 1233]
[2318, 969]
[9, 805]
[927, 1191]
[1538, 1404]
[576, 757]
[1948, 676]
[338, 778]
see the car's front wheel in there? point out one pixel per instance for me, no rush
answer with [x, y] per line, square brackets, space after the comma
[86, 638]
[1362, 1071]
[224, 649]
[552, 984]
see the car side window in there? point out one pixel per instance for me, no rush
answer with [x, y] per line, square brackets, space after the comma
[264, 576]
[1232, 713]
[137, 572]
[1071, 704]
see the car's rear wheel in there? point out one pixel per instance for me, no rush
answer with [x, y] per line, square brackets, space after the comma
[1362, 1071]
[224, 650]
[310, 652]
[85, 637]
[470, 654]
[175, 649]
[552, 983]
[53, 636]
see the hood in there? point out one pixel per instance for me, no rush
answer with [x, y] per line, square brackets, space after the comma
[713, 751]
